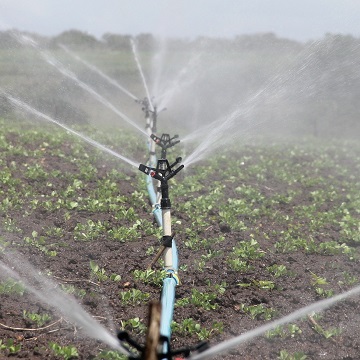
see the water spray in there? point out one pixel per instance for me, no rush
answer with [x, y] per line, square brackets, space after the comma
[17, 103]
[133, 47]
[99, 72]
[151, 126]
[25, 40]
[50, 293]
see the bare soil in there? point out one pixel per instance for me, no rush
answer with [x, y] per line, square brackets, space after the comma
[71, 267]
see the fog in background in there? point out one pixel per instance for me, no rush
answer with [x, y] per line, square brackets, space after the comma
[232, 67]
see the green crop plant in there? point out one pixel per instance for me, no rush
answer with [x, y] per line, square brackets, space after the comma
[242, 253]
[55, 232]
[190, 327]
[150, 251]
[258, 311]
[350, 227]
[9, 225]
[326, 333]
[133, 297]
[261, 284]
[150, 276]
[38, 319]
[318, 283]
[125, 213]
[291, 243]
[11, 286]
[293, 330]
[196, 242]
[348, 279]
[10, 346]
[134, 324]
[219, 288]
[89, 231]
[238, 265]
[249, 250]
[71, 289]
[290, 330]
[276, 332]
[334, 248]
[39, 242]
[324, 292]
[318, 280]
[199, 299]
[277, 270]
[64, 352]
[100, 273]
[35, 172]
[73, 189]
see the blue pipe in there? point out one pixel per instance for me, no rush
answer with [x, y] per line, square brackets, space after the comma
[170, 282]
[167, 308]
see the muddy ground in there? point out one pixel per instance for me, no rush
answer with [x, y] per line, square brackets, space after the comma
[70, 266]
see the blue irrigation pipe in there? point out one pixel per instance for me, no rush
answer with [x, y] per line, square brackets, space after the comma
[170, 282]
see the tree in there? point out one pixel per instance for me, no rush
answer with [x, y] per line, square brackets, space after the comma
[77, 39]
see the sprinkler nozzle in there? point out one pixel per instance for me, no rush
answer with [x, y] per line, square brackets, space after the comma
[145, 169]
[165, 142]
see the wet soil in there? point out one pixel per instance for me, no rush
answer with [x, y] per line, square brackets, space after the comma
[70, 267]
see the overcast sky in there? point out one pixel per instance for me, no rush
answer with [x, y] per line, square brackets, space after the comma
[295, 19]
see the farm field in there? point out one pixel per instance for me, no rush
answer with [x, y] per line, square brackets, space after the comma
[262, 230]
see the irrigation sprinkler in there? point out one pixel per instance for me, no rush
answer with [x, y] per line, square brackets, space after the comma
[165, 142]
[163, 173]
[145, 103]
[159, 327]
[151, 114]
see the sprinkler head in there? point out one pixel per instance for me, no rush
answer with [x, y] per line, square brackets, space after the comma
[165, 142]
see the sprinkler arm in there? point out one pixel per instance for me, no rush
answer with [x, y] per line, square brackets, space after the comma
[163, 171]
[145, 103]
[165, 142]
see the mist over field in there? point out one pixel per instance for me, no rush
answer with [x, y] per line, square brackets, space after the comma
[267, 85]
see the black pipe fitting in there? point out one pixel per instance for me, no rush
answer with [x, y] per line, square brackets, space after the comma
[167, 241]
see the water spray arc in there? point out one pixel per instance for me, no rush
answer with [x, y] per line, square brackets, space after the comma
[151, 116]
[63, 70]
[51, 294]
[249, 335]
[136, 57]
[99, 72]
[23, 106]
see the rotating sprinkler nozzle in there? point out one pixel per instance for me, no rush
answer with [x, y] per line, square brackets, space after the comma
[145, 103]
[163, 171]
[165, 142]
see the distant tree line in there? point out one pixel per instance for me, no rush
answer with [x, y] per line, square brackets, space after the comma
[147, 41]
